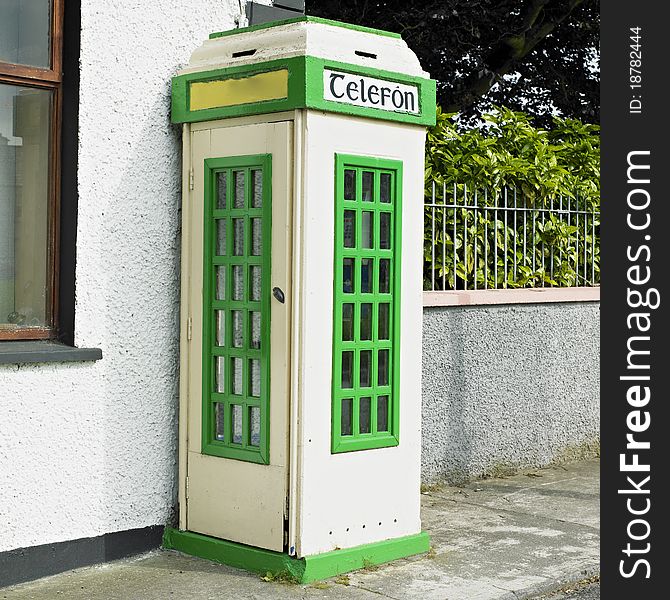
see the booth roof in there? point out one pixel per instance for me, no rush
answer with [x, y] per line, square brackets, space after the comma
[305, 20]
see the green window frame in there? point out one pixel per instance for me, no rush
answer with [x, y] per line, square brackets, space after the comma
[236, 308]
[366, 303]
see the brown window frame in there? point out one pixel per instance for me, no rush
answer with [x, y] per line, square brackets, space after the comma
[50, 79]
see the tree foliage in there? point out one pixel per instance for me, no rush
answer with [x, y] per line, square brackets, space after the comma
[540, 169]
[511, 152]
[531, 55]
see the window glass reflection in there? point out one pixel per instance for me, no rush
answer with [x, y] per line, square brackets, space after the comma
[25, 28]
[24, 204]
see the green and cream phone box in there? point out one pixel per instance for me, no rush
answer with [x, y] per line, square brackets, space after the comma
[301, 302]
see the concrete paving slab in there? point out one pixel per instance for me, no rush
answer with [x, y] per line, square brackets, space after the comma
[509, 550]
[590, 593]
[165, 575]
[499, 539]
[569, 494]
[584, 590]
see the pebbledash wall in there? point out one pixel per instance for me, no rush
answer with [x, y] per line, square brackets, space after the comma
[90, 448]
[509, 386]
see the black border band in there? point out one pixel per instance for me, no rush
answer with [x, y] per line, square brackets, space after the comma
[26, 564]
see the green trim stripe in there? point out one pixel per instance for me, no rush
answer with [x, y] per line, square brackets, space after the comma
[306, 19]
[329, 564]
[305, 90]
[181, 100]
[250, 348]
[366, 303]
[233, 554]
[301, 570]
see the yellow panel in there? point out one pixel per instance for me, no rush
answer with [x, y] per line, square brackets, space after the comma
[231, 92]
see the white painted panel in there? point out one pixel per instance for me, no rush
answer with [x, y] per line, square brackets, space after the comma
[344, 497]
[184, 316]
[226, 498]
[370, 92]
[200, 150]
[330, 42]
[242, 499]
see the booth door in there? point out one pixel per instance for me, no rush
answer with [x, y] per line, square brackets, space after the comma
[240, 294]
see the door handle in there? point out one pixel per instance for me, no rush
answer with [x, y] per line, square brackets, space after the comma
[278, 294]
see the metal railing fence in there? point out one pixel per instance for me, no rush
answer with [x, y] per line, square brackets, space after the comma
[478, 239]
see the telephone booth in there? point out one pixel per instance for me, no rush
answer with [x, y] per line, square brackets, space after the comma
[301, 302]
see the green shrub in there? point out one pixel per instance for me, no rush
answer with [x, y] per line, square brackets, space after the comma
[542, 167]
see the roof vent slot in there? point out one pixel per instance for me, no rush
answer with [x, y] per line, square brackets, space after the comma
[244, 53]
[366, 54]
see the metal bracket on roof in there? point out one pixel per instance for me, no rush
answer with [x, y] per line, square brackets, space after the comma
[257, 14]
[298, 5]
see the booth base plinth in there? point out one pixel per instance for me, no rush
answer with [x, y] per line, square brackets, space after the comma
[301, 570]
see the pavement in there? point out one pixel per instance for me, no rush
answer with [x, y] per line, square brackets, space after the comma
[582, 591]
[532, 535]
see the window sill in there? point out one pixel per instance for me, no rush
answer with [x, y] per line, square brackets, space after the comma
[517, 296]
[45, 352]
